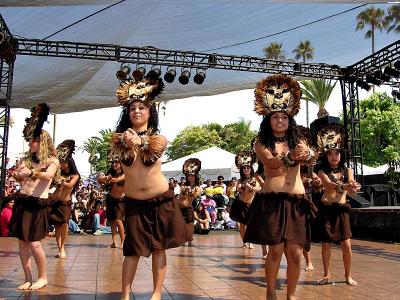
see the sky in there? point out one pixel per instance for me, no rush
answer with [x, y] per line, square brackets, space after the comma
[223, 109]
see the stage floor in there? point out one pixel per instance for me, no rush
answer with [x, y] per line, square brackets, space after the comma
[216, 269]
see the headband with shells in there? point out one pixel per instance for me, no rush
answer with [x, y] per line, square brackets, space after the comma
[277, 93]
[245, 158]
[191, 166]
[331, 137]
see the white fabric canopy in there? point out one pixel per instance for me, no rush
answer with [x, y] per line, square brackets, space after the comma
[70, 85]
[214, 162]
[375, 171]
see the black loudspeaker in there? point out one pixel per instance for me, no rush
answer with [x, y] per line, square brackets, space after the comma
[321, 122]
[356, 201]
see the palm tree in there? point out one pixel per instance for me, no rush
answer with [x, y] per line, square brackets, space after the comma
[392, 18]
[318, 91]
[306, 51]
[274, 51]
[375, 19]
[98, 149]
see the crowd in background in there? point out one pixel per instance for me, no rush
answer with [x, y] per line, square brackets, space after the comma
[89, 210]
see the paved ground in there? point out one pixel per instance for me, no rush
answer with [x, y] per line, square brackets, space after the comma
[216, 269]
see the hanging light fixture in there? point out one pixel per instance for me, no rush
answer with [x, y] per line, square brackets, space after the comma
[391, 72]
[199, 77]
[138, 74]
[155, 72]
[170, 75]
[373, 80]
[184, 78]
[363, 85]
[123, 73]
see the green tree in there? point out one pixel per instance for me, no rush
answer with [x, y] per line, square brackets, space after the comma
[380, 135]
[317, 91]
[98, 149]
[237, 136]
[305, 51]
[231, 137]
[193, 139]
[374, 19]
[2, 121]
[392, 18]
[274, 51]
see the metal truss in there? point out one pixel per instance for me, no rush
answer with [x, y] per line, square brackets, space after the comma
[6, 74]
[175, 58]
[351, 118]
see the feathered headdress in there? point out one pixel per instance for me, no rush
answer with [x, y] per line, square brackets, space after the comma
[277, 93]
[332, 136]
[34, 124]
[191, 166]
[245, 158]
[65, 150]
[144, 89]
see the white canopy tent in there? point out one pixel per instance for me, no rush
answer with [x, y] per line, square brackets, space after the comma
[214, 162]
[375, 171]
[233, 27]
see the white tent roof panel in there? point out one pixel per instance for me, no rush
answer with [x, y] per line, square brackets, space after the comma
[69, 85]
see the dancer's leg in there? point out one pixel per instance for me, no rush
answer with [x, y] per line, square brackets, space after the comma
[25, 256]
[129, 267]
[159, 267]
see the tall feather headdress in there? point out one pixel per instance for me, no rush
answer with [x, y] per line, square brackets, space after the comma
[34, 123]
[332, 136]
[65, 150]
[191, 166]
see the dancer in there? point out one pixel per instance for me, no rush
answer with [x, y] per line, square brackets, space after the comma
[247, 187]
[61, 198]
[154, 222]
[189, 193]
[338, 181]
[29, 222]
[115, 184]
[278, 216]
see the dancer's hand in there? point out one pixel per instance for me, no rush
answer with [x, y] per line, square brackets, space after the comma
[130, 137]
[300, 152]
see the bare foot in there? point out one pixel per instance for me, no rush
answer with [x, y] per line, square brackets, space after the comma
[251, 246]
[62, 255]
[113, 245]
[243, 246]
[323, 280]
[41, 282]
[26, 285]
[309, 268]
[350, 281]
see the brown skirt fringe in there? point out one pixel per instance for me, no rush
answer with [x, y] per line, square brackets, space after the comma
[60, 212]
[239, 211]
[156, 223]
[275, 218]
[188, 214]
[335, 218]
[30, 218]
[115, 209]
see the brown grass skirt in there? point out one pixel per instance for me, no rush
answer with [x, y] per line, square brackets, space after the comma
[60, 212]
[275, 218]
[153, 224]
[239, 211]
[115, 209]
[188, 214]
[30, 218]
[335, 222]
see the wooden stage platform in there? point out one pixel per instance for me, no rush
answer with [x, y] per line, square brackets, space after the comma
[216, 269]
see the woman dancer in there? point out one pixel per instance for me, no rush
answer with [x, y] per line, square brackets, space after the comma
[338, 181]
[61, 198]
[189, 193]
[247, 187]
[29, 222]
[115, 184]
[278, 216]
[154, 222]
